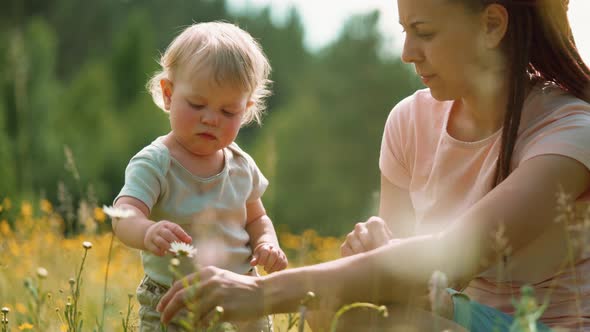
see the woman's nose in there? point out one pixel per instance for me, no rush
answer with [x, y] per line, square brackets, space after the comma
[410, 52]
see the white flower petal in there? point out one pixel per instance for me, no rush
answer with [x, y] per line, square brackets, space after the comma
[182, 249]
[114, 212]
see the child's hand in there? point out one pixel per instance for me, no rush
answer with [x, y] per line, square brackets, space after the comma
[270, 256]
[159, 236]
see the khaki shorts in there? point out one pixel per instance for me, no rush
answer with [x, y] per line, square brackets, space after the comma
[149, 294]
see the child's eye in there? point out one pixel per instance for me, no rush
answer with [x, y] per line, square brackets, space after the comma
[228, 113]
[196, 106]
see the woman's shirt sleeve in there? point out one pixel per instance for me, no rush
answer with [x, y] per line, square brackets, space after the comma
[393, 159]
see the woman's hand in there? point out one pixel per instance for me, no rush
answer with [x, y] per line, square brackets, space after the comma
[240, 296]
[270, 256]
[160, 235]
[366, 236]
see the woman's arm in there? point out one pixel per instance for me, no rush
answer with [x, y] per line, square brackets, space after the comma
[525, 203]
[396, 220]
[395, 207]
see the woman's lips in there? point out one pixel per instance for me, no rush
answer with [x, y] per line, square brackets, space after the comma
[426, 78]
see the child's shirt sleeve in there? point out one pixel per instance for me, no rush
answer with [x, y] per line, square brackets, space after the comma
[259, 182]
[144, 177]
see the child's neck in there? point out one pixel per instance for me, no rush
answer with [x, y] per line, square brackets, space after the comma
[201, 166]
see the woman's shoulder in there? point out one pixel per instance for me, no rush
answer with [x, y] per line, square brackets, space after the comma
[420, 97]
[419, 108]
[553, 122]
[547, 103]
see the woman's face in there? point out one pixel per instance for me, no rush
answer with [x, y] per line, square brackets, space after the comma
[443, 39]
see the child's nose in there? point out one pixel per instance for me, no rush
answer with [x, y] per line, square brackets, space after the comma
[209, 118]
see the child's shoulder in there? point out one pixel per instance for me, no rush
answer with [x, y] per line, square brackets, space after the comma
[238, 155]
[155, 153]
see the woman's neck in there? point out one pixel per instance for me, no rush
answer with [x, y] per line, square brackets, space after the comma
[476, 116]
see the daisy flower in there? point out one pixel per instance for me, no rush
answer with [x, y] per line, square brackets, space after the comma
[182, 249]
[42, 272]
[114, 212]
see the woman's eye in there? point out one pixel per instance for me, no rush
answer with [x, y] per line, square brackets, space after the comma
[425, 35]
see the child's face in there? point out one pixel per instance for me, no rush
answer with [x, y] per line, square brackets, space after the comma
[204, 116]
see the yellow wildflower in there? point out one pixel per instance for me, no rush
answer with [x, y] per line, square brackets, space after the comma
[25, 326]
[290, 241]
[20, 308]
[99, 215]
[309, 235]
[63, 328]
[46, 206]
[7, 203]
[26, 209]
[4, 228]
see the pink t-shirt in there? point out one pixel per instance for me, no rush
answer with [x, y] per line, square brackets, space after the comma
[446, 176]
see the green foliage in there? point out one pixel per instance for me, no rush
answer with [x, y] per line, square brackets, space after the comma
[73, 76]
[131, 62]
[325, 150]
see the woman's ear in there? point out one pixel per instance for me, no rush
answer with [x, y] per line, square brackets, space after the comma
[495, 24]
[167, 87]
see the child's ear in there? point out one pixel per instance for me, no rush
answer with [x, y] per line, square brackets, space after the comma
[249, 103]
[167, 87]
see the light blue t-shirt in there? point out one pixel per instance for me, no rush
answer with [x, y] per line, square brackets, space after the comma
[211, 210]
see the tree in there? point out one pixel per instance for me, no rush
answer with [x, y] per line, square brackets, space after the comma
[327, 140]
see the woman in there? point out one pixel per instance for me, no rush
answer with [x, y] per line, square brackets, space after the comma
[503, 127]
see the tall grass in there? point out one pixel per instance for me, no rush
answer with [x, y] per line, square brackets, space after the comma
[71, 287]
[50, 282]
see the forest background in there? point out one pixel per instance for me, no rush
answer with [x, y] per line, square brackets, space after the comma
[74, 110]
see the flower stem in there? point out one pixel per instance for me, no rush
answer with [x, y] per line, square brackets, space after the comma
[106, 279]
[342, 310]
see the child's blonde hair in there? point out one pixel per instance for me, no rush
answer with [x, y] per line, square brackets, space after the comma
[231, 53]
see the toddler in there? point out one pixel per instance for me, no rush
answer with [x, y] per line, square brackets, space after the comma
[195, 185]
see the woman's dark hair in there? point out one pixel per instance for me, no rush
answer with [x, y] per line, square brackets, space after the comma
[538, 45]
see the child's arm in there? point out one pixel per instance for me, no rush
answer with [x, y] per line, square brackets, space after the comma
[263, 239]
[141, 233]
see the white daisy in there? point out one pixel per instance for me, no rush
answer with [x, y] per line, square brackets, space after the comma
[114, 212]
[42, 272]
[182, 249]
